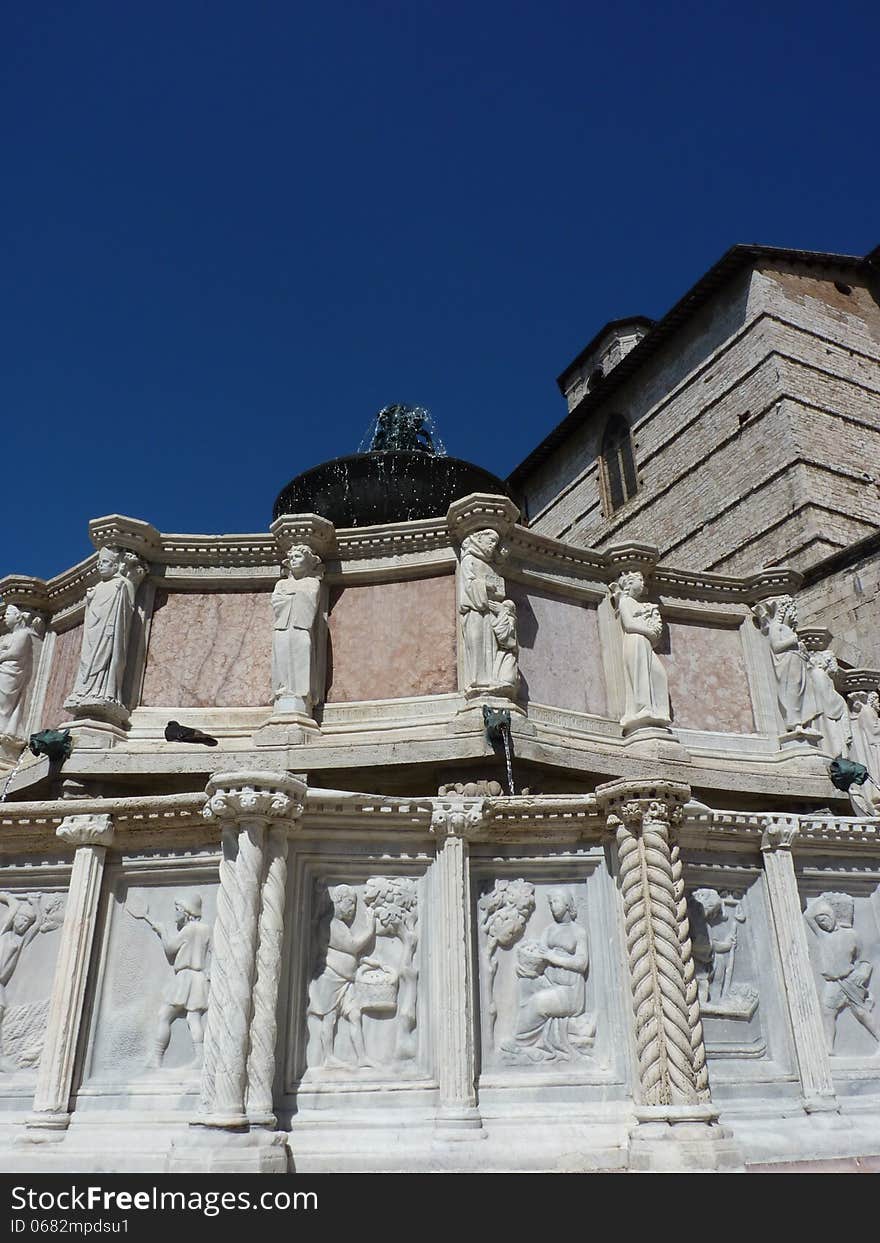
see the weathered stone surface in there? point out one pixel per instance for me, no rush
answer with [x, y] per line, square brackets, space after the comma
[707, 678]
[65, 661]
[208, 651]
[556, 637]
[388, 640]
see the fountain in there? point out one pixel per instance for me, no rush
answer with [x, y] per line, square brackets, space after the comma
[405, 474]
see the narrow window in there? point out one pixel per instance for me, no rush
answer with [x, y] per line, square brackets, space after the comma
[618, 464]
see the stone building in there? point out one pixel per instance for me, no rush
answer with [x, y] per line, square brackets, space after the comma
[459, 823]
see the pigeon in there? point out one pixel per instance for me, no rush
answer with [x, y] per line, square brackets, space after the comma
[175, 732]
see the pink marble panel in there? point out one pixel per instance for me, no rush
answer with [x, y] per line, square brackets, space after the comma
[708, 686]
[62, 675]
[209, 650]
[389, 640]
[559, 656]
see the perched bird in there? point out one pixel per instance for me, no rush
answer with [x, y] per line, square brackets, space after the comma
[175, 732]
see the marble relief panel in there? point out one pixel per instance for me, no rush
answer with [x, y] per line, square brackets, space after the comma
[392, 640]
[209, 650]
[62, 675]
[841, 913]
[355, 993]
[741, 989]
[559, 658]
[152, 996]
[30, 931]
[547, 998]
[708, 685]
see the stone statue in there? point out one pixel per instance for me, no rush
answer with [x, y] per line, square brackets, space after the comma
[332, 994]
[834, 719]
[488, 619]
[21, 919]
[795, 683]
[714, 942]
[186, 947]
[16, 665]
[109, 611]
[846, 975]
[506, 666]
[394, 903]
[296, 606]
[865, 717]
[647, 691]
[551, 1022]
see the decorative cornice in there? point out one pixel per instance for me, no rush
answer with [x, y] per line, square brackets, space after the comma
[633, 802]
[316, 532]
[815, 638]
[394, 540]
[457, 818]
[632, 556]
[849, 680]
[254, 796]
[86, 830]
[481, 511]
[25, 592]
[132, 534]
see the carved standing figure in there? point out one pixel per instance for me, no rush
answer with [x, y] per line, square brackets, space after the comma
[296, 606]
[647, 689]
[332, 994]
[552, 1023]
[865, 709]
[109, 612]
[16, 664]
[846, 975]
[186, 947]
[795, 684]
[834, 720]
[488, 620]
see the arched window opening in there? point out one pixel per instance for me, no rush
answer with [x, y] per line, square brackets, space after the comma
[618, 464]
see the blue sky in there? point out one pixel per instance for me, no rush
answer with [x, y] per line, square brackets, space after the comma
[233, 232]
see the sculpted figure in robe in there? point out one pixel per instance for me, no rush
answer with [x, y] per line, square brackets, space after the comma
[552, 1023]
[795, 683]
[647, 689]
[109, 612]
[865, 708]
[488, 619]
[296, 606]
[834, 719]
[16, 665]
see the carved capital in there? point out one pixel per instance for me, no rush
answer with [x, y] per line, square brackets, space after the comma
[254, 796]
[780, 832]
[632, 804]
[457, 819]
[315, 532]
[86, 830]
[130, 534]
[481, 511]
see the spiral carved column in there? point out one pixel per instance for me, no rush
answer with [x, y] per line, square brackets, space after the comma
[253, 809]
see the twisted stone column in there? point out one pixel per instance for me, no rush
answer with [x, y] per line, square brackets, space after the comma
[91, 835]
[642, 820]
[240, 1031]
[814, 1068]
[264, 1025]
[453, 823]
[676, 1120]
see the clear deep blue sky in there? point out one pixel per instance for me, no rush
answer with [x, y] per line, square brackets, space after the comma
[233, 232]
